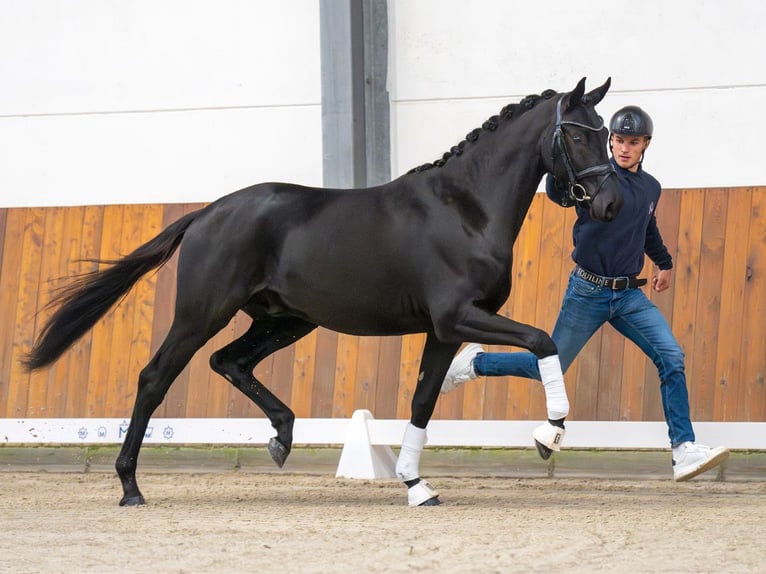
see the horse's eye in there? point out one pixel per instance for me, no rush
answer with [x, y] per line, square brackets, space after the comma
[577, 139]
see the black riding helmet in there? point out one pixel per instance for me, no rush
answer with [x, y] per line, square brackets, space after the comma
[631, 121]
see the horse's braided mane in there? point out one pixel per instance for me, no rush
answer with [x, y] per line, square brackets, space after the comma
[507, 113]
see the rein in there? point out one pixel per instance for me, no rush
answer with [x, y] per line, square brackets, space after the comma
[575, 190]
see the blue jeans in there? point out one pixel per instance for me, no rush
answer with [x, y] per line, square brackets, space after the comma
[584, 309]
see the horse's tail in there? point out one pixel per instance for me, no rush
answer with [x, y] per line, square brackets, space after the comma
[82, 303]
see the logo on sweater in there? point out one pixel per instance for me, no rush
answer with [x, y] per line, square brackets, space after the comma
[651, 208]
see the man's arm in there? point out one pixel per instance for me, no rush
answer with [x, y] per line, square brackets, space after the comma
[655, 248]
[661, 280]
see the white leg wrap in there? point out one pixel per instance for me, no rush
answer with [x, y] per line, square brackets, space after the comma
[555, 392]
[420, 493]
[408, 463]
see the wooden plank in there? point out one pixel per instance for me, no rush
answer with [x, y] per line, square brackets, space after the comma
[118, 385]
[728, 374]
[587, 379]
[633, 382]
[27, 307]
[51, 247]
[388, 379]
[103, 331]
[143, 318]
[303, 374]
[668, 215]
[58, 375]
[473, 397]
[198, 388]
[3, 224]
[708, 309]
[324, 373]
[77, 359]
[412, 349]
[174, 404]
[346, 358]
[687, 273]
[366, 373]
[10, 279]
[610, 380]
[750, 400]
[495, 398]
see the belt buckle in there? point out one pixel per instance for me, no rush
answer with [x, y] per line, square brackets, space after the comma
[615, 283]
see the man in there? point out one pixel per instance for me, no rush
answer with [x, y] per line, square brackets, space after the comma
[603, 287]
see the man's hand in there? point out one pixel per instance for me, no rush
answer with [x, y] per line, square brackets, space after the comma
[661, 280]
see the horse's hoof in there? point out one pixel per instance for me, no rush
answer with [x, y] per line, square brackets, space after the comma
[421, 494]
[278, 451]
[544, 452]
[548, 438]
[135, 500]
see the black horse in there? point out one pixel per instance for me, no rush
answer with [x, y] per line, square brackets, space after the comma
[428, 252]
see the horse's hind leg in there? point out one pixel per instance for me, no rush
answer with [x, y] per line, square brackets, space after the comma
[153, 383]
[433, 367]
[236, 361]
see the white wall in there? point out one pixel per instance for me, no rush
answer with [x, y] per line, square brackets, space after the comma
[133, 101]
[695, 65]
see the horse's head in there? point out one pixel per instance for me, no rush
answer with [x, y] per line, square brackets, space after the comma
[578, 153]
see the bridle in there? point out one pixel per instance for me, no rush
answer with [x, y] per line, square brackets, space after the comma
[575, 190]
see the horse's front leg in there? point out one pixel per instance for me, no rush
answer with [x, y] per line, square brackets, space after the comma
[433, 367]
[484, 327]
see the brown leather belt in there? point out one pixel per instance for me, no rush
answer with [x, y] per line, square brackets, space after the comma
[613, 283]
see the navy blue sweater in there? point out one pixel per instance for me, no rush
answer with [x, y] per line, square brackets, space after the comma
[616, 249]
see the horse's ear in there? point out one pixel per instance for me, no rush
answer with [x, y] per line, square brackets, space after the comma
[595, 96]
[575, 96]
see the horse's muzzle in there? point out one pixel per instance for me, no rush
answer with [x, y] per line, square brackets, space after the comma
[605, 206]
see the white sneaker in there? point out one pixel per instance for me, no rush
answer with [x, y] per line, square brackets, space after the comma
[694, 459]
[461, 370]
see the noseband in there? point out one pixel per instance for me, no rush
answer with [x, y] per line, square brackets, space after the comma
[575, 190]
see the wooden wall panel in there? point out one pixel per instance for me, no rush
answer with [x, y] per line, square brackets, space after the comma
[9, 292]
[730, 328]
[716, 307]
[21, 383]
[752, 395]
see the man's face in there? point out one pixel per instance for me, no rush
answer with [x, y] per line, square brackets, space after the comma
[627, 150]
